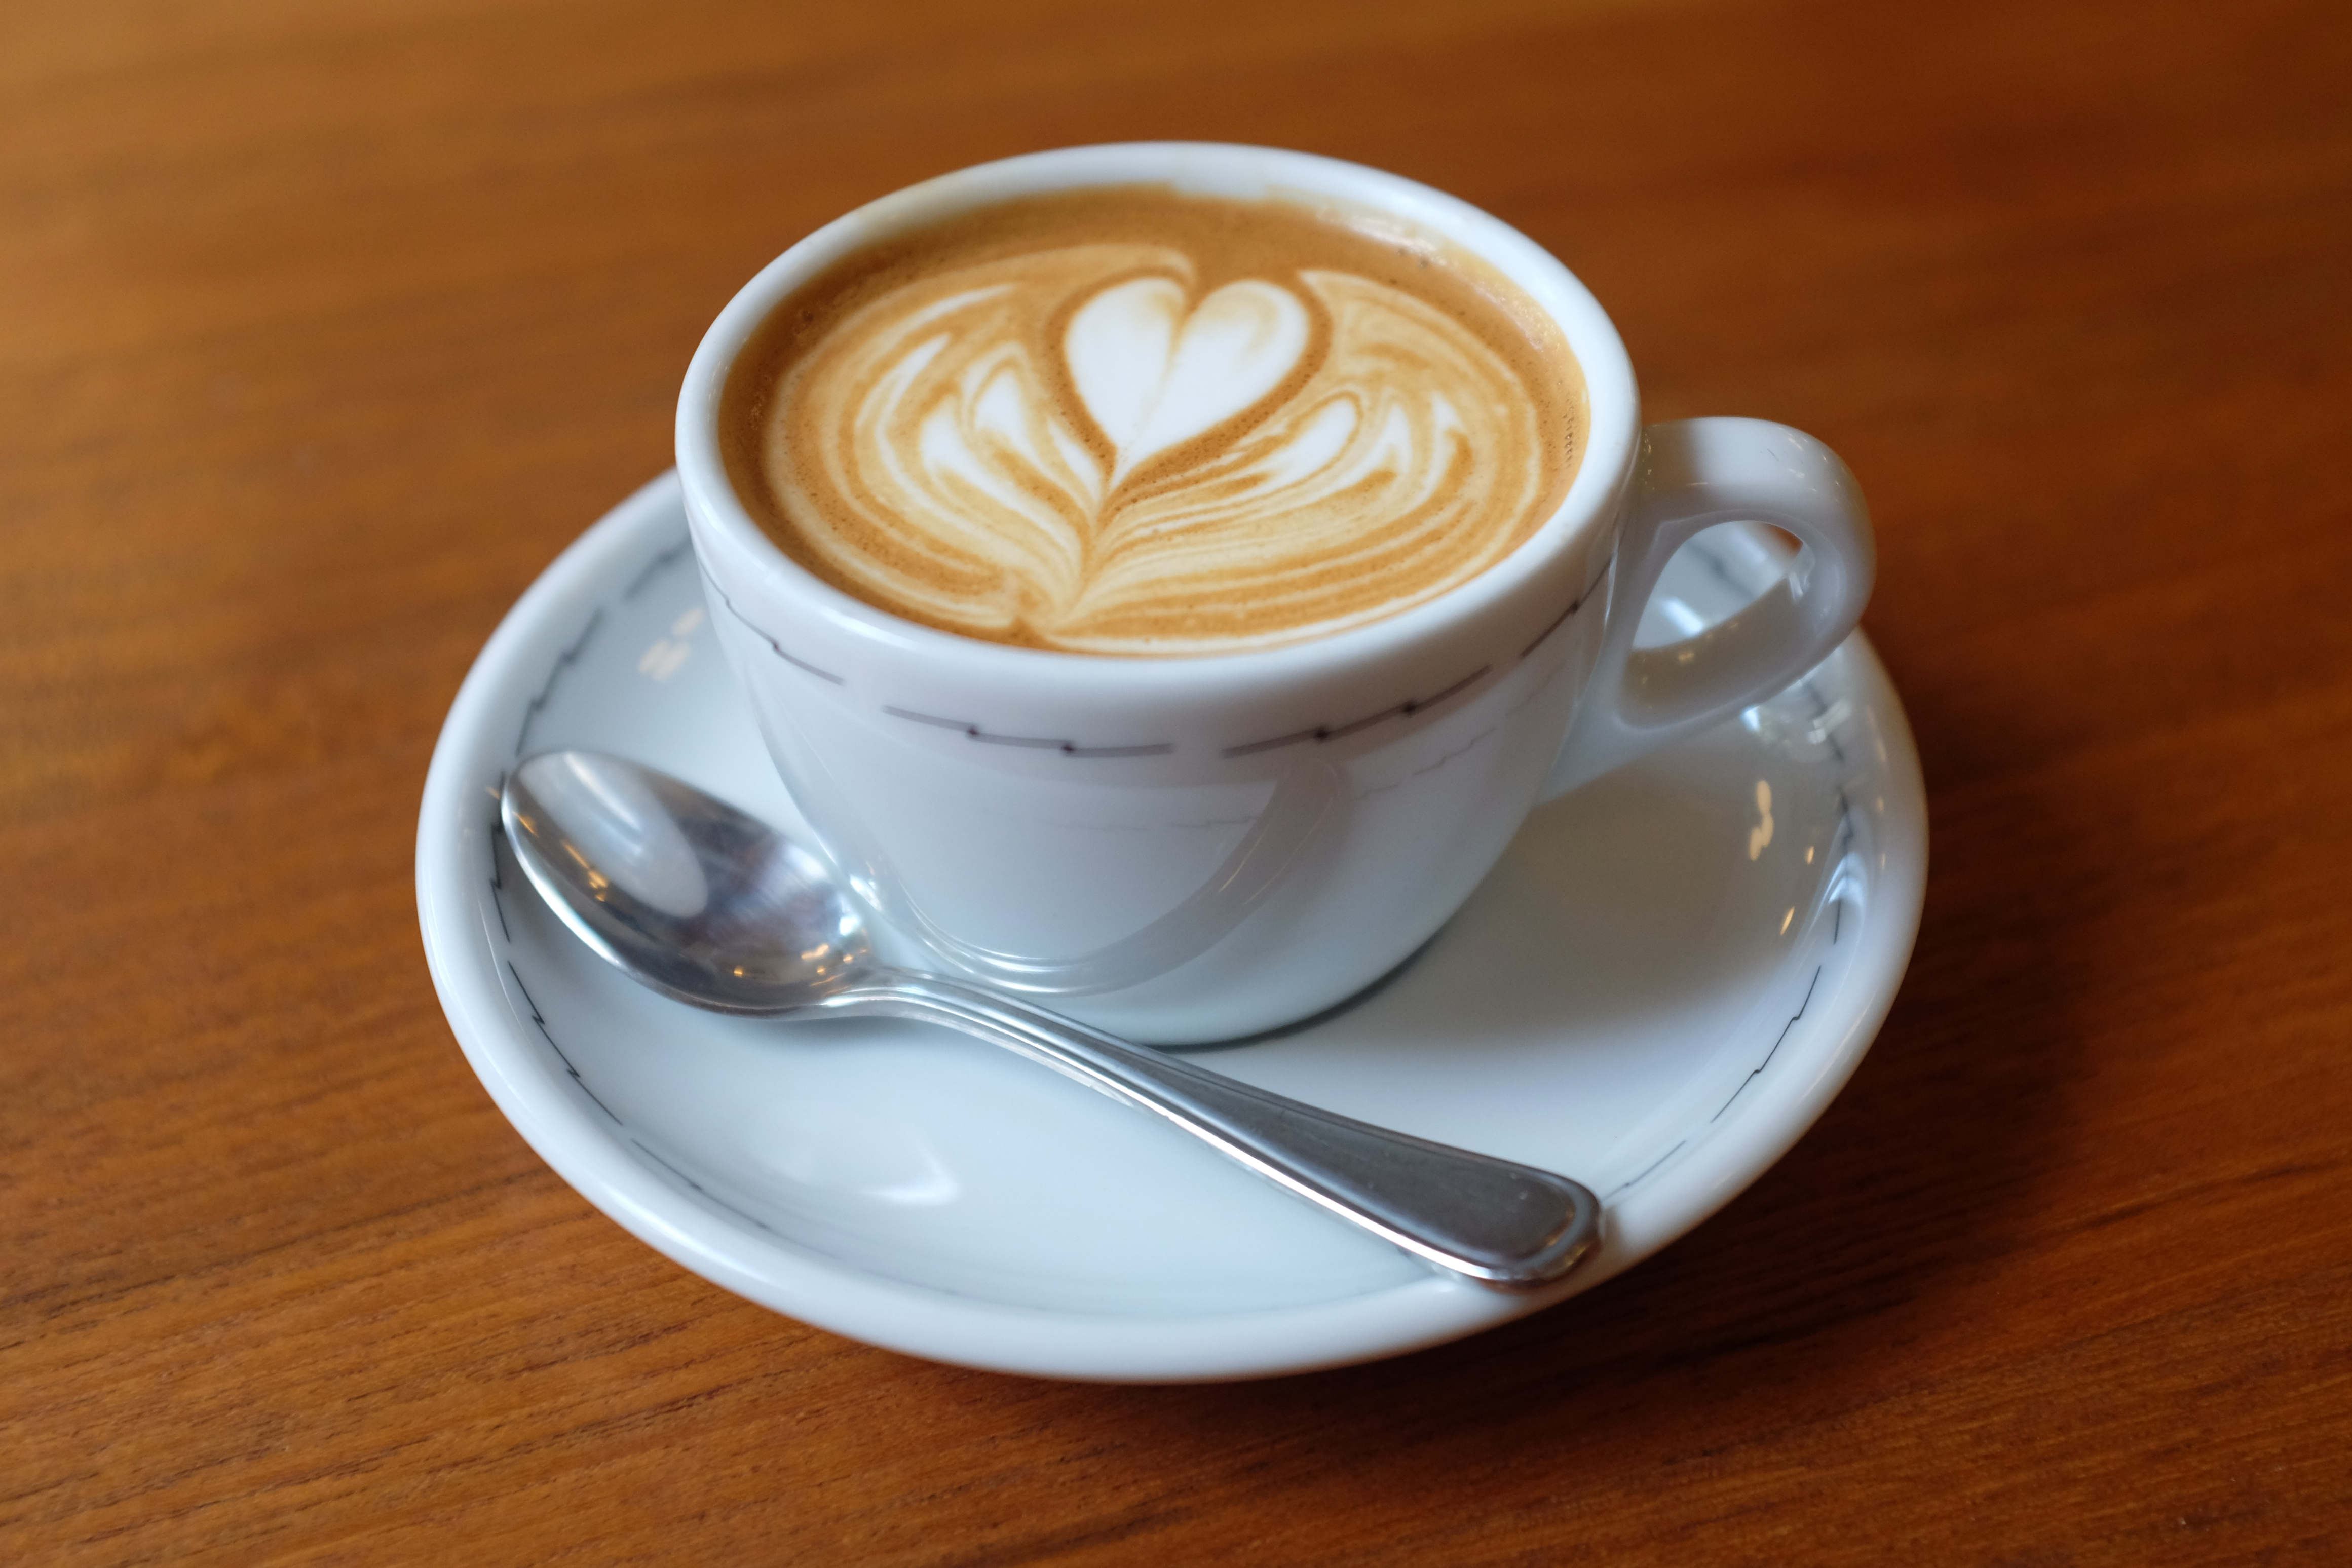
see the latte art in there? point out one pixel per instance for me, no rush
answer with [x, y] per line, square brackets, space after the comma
[1116, 445]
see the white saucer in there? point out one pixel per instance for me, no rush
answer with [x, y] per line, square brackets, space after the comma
[1652, 993]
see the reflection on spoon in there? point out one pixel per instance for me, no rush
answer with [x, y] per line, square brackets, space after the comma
[773, 937]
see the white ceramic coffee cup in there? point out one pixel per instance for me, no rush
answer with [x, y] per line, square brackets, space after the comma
[1192, 849]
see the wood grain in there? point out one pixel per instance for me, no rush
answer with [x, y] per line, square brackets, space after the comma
[324, 327]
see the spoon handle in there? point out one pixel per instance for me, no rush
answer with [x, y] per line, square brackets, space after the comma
[1501, 1223]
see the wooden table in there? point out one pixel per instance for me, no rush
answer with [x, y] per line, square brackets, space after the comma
[324, 327]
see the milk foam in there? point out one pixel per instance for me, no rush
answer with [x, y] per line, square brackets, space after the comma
[1096, 445]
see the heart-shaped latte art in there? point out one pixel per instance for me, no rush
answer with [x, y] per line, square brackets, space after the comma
[1244, 464]
[1154, 375]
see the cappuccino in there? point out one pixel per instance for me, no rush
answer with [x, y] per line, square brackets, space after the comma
[1129, 421]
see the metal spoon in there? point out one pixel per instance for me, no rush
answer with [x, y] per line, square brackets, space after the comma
[699, 901]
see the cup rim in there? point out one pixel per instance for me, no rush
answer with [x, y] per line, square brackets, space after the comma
[1204, 168]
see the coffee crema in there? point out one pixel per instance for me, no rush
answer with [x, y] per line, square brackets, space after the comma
[1129, 421]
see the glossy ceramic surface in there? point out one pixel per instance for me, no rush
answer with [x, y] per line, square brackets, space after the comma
[1186, 850]
[1738, 909]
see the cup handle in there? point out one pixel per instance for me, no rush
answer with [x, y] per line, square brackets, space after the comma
[1692, 474]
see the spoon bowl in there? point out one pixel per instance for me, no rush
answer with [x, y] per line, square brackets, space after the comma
[689, 895]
